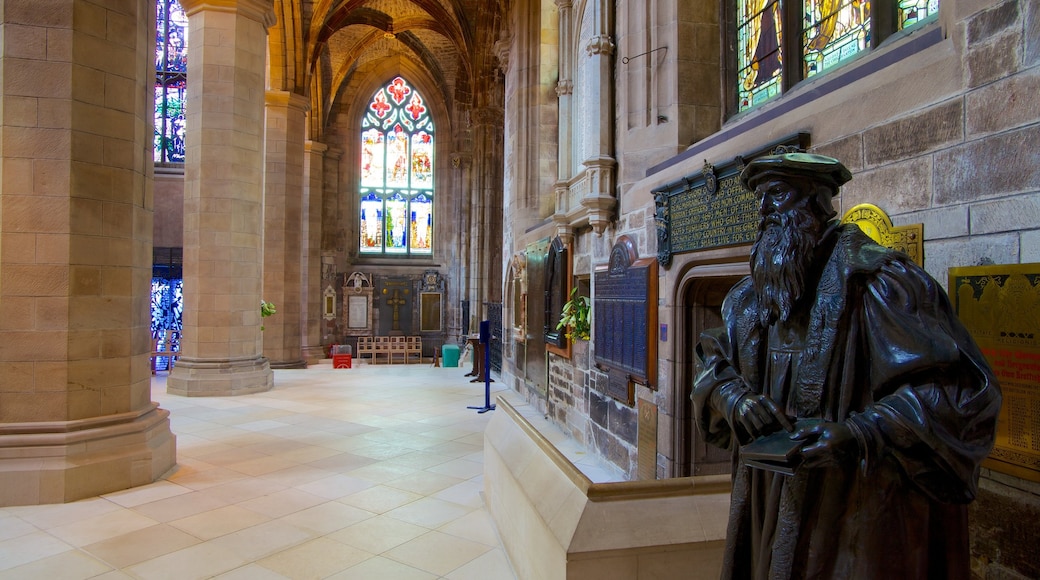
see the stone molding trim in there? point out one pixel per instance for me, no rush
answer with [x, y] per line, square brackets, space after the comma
[63, 461]
[261, 11]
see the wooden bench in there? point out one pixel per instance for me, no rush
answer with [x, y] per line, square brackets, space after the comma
[401, 347]
[164, 349]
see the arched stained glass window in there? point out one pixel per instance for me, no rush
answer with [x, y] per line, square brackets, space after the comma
[171, 74]
[396, 189]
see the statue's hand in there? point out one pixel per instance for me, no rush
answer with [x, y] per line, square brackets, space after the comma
[756, 415]
[829, 445]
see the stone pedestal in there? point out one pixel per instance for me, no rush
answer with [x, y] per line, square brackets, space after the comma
[221, 344]
[76, 416]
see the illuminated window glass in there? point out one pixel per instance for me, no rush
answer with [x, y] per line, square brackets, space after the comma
[759, 51]
[826, 34]
[171, 73]
[396, 185]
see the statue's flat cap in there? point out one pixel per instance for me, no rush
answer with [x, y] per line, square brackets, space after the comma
[818, 167]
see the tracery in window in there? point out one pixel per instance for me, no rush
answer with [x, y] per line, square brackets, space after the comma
[396, 189]
[171, 74]
[826, 34]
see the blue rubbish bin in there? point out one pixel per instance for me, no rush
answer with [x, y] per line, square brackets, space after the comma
[450, 354]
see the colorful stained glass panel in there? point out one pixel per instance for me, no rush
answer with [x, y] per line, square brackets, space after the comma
[397, 158]
[373, 154]
[396, 225]
[912, 12]
[422, 160]
[759, 54]
[835, 30]
[371, 222]
[421, 225]
[171, 69]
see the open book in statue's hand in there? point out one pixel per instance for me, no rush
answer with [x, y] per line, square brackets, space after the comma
[776, 451]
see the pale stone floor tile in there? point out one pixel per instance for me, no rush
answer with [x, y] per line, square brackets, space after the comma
[141, 545]
[200, 561]
[327, 518]
[136, 496]
[492, 565]
[261, 541]
[219, 522]
[282, 503]
[380, 499]
[336, 486]
[178, 507]
[476, 526]
[29, 548]
[424, 482]
[429, 512]
[383, 569]
[71, 565]
[49, 516]
[298, 447]
[436, 552]
[315, 559]
[460, 468]
[465, 494]
[102, 527]
[378, 534]
[12, 527]
[252, 572]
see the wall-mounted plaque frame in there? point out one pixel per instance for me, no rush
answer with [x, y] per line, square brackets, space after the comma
[874, 222]
[1000, 305]
[557, 286]
[625, 320]
[430, 311]
[712, 208]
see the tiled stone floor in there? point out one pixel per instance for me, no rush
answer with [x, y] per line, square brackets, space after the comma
[373, 472]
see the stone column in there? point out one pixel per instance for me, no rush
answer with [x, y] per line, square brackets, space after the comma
[283, 224]
[223, 200]
[76, 416]
[310, 257]
[600, 165]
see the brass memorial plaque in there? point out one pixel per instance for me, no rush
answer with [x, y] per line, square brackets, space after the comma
[1000, 305]
[647, 441]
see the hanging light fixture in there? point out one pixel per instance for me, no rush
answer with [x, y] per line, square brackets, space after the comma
[389, 34]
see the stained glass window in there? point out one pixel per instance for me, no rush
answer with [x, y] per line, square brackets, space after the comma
[171, 73]
[759, 51]
[834, 31]
[396, 189]
[825, 34]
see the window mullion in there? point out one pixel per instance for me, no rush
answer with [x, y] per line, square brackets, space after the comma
[792, 42]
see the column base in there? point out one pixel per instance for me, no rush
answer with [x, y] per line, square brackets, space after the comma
[289, 364]
[193, 377]
[63, 461]
[313, 354]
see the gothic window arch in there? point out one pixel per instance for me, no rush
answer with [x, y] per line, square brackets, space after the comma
[171, 76]
[396, 173]
[821, 34]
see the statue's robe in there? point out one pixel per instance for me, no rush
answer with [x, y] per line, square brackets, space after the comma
[880, 349]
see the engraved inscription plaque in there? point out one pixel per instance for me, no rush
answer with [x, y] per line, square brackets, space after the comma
[647, 440]
[625, 317]
[1000, 305]
[711, 209]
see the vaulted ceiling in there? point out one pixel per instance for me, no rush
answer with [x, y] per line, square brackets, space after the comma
[317, 46]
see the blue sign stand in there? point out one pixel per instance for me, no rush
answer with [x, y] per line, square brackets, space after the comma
[485, 339]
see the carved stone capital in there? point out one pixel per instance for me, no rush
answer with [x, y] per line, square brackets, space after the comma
[564, 4]
[261, 11]
[564, 87]
[600, 45]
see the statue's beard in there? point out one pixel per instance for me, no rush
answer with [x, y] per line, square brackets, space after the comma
[780, 261]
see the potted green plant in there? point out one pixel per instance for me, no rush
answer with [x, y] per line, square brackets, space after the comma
[575, 316]
[266, 309]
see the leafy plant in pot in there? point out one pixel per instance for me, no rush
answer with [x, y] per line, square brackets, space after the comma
[266, 309]
[575, 317]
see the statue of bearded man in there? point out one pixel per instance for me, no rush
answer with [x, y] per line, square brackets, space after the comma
[849, 354]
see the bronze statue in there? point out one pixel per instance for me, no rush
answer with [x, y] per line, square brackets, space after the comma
[857, 406]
